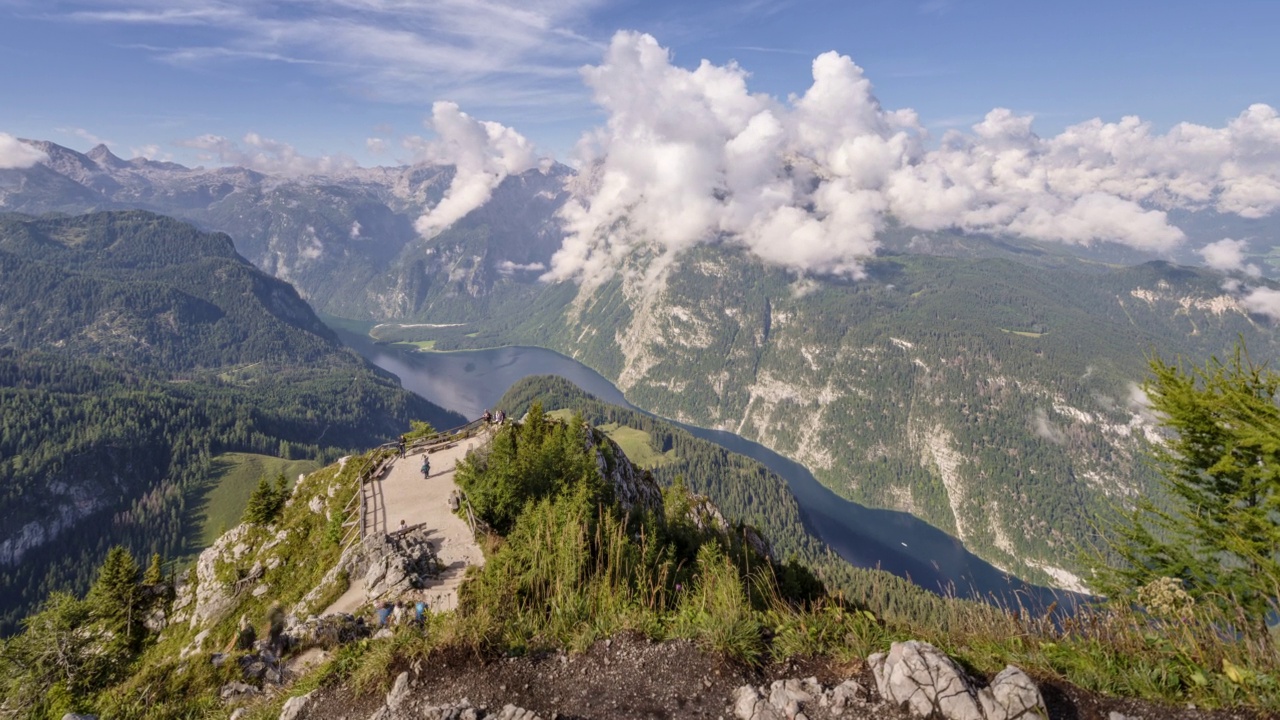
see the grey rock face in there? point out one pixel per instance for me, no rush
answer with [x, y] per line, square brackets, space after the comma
[749, 705]
[212, 596]
[398, 562]
[923, 679]
[634, 488]
[294, 707]
[789, 699]
[1012, 695]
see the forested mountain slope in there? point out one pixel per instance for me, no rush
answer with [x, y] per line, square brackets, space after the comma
[997, 400]
[134, 348]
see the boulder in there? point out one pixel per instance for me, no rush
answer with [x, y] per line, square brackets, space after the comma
[1012, 695]
[923, 679]
[399, 692]
[748, 704]
[237, 691]
[326, 632]
[295, 706]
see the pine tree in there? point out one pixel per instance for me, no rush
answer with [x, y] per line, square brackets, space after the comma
[155, 571]
[116, 597]
[1221, 467]
[267, 500]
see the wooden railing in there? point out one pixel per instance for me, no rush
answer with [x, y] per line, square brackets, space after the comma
[380, 459]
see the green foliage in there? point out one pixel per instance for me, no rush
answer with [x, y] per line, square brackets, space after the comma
[116, 598]
[135, 350]
[267, 501]
[419, 429]
[154, 574]
[526, 462]
[1218, 536]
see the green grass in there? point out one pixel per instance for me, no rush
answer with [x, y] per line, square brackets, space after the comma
[417, 344]
[638, 446]
[235, 475]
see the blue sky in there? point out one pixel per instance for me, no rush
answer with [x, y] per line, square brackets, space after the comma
[326, 75]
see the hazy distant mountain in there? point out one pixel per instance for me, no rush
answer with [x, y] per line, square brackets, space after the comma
[346, 240]
[985, 384]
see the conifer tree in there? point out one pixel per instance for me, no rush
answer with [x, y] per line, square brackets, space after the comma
[116, 598]
[155, 571]
[1221, 466]
[267, 500]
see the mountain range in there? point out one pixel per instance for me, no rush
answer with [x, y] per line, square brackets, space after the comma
[989, 385]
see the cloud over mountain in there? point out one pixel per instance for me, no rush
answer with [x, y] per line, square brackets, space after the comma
[264, 155]
[1228, 255]
[483, 154]
[692, 156]
[15, 154]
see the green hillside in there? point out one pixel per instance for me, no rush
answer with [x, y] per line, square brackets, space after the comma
[993, 397]
[134, 349]
[233, 476]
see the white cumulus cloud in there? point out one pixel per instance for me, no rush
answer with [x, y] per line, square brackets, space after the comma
[264, 155]
[1263, 301]
[15, 154]
[1228, 255]
[483, 154]
[692, 155]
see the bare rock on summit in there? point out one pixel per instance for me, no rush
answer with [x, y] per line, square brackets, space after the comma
[1012, 695]
[925, 680]
[920, 677]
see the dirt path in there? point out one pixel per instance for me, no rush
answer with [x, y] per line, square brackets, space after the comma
[404, 496]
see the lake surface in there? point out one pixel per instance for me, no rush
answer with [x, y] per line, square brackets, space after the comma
[470, 382]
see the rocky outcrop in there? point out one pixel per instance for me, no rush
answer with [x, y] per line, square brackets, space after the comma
[326, 632]
[635, 489]
[796, 700]
[704, 515]
[922, 679]
[210, 596]
[398, 562]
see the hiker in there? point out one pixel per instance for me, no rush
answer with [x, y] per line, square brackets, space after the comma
[383, 613]
[487, 417]
[501, 417]
[402, 445]
[419, 612]
[426, 467]
[454, 501]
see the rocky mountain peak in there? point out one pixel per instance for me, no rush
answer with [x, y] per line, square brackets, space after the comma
[103, 156]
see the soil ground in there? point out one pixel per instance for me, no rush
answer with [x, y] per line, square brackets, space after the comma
[630, 678]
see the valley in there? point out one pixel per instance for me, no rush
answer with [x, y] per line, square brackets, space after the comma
[988, 385]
